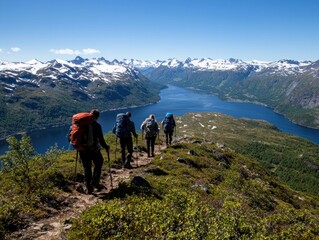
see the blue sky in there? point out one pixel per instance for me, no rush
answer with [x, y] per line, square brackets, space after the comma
[267, 30]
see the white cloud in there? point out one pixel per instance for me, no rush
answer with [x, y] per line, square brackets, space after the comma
[15, 49]
[90, 51]
[0, 50]
[67, 51]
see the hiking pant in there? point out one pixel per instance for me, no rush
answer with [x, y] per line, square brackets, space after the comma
[126, 143]
[87, 157]
[150, 142]
[169, 137]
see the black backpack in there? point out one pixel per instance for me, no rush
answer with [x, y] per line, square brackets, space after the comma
[122, 126]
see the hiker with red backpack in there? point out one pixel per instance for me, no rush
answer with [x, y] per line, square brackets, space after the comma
[123, 129]
[86, 136]
[150, 128]
[168, 125]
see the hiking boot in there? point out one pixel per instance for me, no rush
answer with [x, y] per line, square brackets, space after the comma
[128, 165]
[153, 155]
[129, 158]
[89, 190]
[98, 186]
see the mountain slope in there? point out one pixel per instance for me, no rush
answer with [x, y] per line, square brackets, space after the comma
[292, 159]
[197, 190]
[290, 87]
[35, 94]
[207, 185]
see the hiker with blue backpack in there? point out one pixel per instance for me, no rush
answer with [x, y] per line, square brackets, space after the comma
[123, 129]
[150, 128]
[168, 125]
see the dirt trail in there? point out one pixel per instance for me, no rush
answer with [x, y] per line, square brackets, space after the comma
[77, 201]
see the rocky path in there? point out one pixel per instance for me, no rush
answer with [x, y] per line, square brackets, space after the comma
[77, 201]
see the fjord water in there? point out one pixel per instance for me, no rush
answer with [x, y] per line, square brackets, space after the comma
[178, 101]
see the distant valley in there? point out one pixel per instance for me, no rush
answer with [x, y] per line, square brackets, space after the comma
[289, 87]
[35, 95]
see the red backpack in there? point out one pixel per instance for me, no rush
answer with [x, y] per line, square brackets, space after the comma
[81, 134]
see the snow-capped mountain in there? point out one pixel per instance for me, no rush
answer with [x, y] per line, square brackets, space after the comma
[283, 67]
[289, 86]
[77, 70]
[38, 94]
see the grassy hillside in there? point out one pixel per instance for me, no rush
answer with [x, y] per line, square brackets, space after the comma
[31, 108]
[209, 194]
[220, 180]
[291, 159]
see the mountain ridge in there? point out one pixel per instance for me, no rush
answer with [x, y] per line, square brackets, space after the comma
[289, 87]
[34, 94]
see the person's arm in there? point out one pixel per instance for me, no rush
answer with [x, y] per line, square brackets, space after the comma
[100, 137]
[143, 126]
[132, 125]
[114, 129]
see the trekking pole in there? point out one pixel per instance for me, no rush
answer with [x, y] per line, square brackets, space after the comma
[175, 131]
[159, 142]
[136, 155]
[115, 147]
[108, 156]
[76, 163]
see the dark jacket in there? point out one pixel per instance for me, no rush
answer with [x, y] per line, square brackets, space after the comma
[98, 135]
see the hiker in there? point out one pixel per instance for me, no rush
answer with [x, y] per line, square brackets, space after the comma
[124, 128]
[93, 153]
[168, 125]
[150, 128]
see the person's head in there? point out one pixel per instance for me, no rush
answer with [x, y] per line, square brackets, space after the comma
[152, 116]
[95, 113]
[129, 114]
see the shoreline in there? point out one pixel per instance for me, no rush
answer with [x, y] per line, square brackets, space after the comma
[229, 99]
[3, 139]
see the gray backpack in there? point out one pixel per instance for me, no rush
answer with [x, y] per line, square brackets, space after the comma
[150, 128]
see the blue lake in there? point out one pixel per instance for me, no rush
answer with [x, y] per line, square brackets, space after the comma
[178, 101]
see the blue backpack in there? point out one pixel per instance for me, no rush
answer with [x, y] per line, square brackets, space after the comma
[168, 122]
[122, 126]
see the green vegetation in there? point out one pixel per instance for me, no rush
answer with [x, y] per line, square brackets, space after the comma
[27, 181]
[211, 195]
[29, 109]
[208, 185]
[292, 159]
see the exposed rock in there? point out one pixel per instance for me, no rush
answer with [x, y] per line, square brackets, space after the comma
[202, 187]
[139, 181]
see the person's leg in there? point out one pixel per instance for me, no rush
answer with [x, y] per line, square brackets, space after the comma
[148, 146]
[153, 145]
[98, 163]
[170, 137]
[123, 145]
[129, 145]
[87, 165]
[166, 135]
[129, 149]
